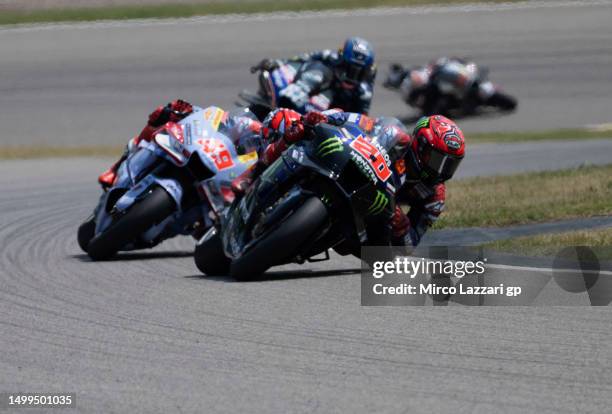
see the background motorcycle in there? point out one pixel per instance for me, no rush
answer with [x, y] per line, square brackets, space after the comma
[335, 190]
[173, 185]
[438, 96]
[272, 82]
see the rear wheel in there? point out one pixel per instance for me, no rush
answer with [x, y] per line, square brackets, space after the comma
[209, 256]
[153, 209]
[502, 101]
[281, 243]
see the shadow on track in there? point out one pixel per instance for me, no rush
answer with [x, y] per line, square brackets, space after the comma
[129, 256]
[282, 275]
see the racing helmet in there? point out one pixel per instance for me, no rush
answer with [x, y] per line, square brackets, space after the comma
[279, 122]
[438, 146]
[356, 61]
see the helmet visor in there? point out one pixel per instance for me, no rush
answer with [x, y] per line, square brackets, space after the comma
[439, 165]
[352, 74]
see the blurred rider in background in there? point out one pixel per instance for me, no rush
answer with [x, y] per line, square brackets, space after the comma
[342, 79]
[439, 86]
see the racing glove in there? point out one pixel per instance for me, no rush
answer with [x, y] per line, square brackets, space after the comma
[313, 118]
[172, 112]
[265, 64]
[294, 132]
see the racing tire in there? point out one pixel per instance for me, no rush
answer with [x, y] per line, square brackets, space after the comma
[282, 242]
[210, 258]
[152, 209]
[86, 232]
[502, 101]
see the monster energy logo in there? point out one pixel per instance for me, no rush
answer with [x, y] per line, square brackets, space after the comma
[329, 146]
[422, 123]
[379, 204]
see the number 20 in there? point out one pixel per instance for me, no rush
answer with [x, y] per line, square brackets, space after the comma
[373, 156]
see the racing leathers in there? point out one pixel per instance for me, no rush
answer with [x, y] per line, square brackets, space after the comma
[317, 87]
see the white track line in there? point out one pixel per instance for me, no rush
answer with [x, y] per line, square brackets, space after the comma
[547, 270]
[261, 17]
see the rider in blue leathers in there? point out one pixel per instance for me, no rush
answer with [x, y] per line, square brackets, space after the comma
[342, 79]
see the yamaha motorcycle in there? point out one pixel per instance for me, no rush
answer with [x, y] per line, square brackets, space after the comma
[272, 82]
[177, 184]
[335, 190]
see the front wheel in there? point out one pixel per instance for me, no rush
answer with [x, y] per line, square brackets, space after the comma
[282, 243]
[209, 256]
[151, 210]
[86, 232]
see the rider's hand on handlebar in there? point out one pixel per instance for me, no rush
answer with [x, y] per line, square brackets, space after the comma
[313, 118]
[265, 64]
[173, 111]
[294, 132]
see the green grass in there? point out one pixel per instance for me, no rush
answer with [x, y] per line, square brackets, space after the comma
[528, 197]
[481, 201]
[551, 244]
[509, 137]
[13, 153]
[559, 134]
[199, 9]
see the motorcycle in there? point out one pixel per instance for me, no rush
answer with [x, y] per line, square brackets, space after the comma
[438, 95]
[272, 82]
[335, 190]
[177, 184]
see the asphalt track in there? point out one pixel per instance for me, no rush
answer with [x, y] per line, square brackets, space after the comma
[147, 333]
[94, 84]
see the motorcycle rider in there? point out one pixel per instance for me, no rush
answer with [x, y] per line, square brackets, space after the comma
[424, 161]
[435, 86]
[436, 149]
[342, 79]
[240, 125]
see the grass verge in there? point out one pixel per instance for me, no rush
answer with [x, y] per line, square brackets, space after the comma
[200, 9]
[13, 153]
[554, 135]
[551, 244]
[528, 197]
[502, 137]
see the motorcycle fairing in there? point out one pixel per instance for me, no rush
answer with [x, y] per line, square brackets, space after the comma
[329, 155]
[194, 136]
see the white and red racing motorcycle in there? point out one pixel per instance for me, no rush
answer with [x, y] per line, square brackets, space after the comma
[177, 184]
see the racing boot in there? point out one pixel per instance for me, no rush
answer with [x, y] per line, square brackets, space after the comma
[107, 178]
[402, 233]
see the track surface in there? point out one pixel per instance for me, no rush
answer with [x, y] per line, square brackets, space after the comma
[147, 334]
[76, 85]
